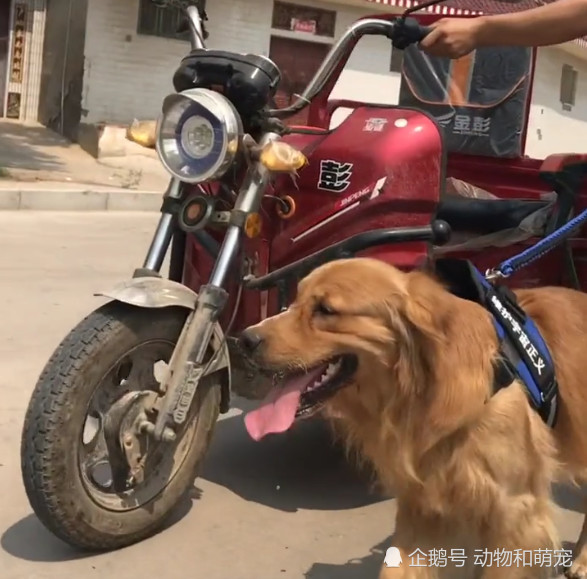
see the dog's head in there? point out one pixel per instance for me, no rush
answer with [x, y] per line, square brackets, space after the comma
[349, 318]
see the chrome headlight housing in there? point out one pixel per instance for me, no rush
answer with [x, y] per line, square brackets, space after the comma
[198, 135]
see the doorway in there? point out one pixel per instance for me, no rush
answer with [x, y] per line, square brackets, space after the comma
[4, 51]
[298, 61]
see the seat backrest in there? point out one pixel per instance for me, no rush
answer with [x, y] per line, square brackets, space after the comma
[481, 100]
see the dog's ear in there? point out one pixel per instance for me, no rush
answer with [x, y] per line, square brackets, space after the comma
[424, 306]
[416, 306]
[416, 317]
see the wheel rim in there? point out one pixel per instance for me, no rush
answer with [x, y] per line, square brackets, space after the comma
[139, 369]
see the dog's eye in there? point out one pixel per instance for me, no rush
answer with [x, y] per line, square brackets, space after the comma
[322, 309]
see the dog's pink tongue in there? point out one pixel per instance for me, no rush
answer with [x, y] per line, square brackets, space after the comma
[278, 411]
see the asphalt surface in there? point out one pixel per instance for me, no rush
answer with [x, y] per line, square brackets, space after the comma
[287, 507]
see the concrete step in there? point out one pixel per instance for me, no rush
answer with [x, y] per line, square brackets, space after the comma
[67, 196]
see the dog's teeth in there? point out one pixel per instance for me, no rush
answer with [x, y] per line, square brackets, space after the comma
[331, 369]
[318, 382]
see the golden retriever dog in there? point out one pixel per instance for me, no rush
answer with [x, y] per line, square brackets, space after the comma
[405, 369]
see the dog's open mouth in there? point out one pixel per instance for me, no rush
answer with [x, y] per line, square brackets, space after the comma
[300, 395]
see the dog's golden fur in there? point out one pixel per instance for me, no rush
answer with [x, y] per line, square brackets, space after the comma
[470, 469]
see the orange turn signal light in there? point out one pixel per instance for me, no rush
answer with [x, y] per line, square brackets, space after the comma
[280, 157]
[253, 225]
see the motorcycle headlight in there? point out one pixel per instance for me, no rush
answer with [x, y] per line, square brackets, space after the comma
[198, 135]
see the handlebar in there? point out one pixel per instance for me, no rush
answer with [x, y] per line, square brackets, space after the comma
[196, 28]
[402, 32]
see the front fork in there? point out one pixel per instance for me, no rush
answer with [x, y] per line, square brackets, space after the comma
[186, 367]
[165, 232]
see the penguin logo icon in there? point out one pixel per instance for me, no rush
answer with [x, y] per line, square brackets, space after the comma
[393, 557]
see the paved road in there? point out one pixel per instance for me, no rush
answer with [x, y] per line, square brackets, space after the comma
[286, 507]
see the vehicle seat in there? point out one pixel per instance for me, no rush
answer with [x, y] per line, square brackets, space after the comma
[483, 216]
[566, 173]
[480, 100]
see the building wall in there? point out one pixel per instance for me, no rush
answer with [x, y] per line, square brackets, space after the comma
[127, 75]
[550, 129]
[63, 66]
[29, 86]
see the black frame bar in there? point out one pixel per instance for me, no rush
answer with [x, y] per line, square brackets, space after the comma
[438, 233]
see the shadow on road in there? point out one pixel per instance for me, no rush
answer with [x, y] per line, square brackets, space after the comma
[568, 497]
[31, 147]
[299, 469]
[29, 540]
[302, 468]
[367, 566]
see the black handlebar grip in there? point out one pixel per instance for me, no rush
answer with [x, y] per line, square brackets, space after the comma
[424, 32]
[441, 232]
[408, 31]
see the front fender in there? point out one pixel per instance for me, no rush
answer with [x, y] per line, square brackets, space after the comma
[157, 292]
[152, 292]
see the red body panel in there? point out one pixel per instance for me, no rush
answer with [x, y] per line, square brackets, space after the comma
[396, 179]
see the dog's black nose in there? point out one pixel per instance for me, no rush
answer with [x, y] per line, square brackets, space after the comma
[250, 341]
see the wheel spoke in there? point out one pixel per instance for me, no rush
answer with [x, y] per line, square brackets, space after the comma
[123, 370]
[96, 463]
[141, 376]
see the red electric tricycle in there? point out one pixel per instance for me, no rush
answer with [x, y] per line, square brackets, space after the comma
[123, 412]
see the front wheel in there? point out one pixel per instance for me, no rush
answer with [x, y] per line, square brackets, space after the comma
[64, 459]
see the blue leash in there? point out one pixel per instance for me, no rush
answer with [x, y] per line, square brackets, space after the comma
[510, 266]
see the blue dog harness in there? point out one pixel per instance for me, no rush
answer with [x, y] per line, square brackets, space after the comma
[523, 354]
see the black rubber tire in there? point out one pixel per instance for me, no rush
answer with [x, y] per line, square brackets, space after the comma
[56, 412]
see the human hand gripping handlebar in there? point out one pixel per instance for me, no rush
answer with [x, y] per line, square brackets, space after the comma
[408, 31]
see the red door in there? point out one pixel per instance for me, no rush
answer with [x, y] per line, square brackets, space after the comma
[298, 61]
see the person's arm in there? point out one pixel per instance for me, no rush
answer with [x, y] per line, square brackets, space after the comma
[561, 21]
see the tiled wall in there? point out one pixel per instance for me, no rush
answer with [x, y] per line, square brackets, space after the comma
[29, 88]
